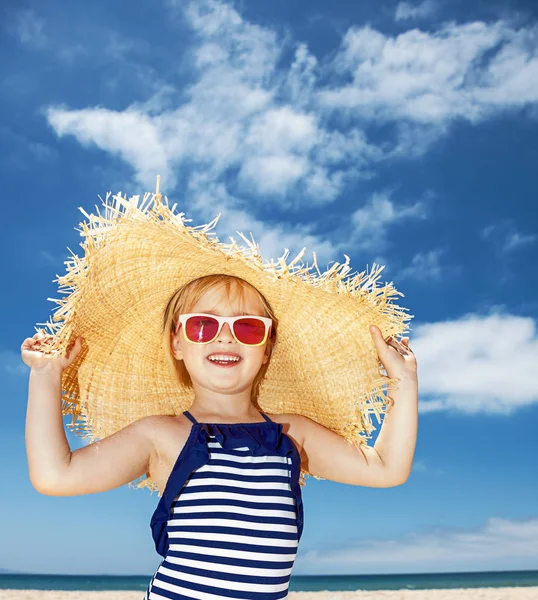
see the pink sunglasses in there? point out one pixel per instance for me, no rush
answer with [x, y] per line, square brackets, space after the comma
[202, 328]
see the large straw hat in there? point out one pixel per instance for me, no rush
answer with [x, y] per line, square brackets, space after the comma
[138, 253]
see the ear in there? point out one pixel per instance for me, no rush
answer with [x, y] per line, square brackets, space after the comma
[175, 346]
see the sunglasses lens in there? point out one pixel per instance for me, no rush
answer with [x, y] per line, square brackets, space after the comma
[201, 329]
[249, 331]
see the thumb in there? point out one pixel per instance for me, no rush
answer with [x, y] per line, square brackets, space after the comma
[377, 337]
[75, 349]
[375, 331]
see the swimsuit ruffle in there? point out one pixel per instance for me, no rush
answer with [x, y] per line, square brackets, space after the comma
[260, 438]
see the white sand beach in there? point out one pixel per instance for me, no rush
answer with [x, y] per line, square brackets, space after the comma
[508, 593]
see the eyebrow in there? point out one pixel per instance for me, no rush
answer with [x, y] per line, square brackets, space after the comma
[212, 312]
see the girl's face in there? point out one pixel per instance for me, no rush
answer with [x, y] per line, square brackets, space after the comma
[207, 376]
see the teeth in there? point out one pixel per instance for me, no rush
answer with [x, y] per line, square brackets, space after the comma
[224, 358]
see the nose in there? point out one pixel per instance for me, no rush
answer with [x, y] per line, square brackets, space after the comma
[226, 332]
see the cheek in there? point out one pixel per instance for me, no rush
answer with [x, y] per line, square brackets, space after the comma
[196, 356]
[259, 356]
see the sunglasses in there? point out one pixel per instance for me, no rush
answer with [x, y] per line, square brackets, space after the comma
[201, 328]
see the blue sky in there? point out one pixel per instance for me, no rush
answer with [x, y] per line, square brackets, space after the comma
[396, 133]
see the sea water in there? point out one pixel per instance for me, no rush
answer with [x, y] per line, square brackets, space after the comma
[298, 583]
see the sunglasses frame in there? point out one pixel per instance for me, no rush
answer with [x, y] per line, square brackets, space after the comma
[221, 320]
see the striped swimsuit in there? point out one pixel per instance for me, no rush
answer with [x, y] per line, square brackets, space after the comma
[230, 518]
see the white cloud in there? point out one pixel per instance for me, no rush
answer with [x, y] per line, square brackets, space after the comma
[469, 71]
[272, 174]
[134, 136]
[227, 40]
[277, 147]
[301, 78]
[511, 77]
[477, 364]
[408, 11]
[498, 544]
[285, 134]
[394, 77]
[282, 129]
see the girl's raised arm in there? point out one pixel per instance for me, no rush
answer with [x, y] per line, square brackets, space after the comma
[54, 469]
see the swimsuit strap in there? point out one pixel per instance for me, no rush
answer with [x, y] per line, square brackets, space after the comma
[195, 421]
[266, 417]
[190, 416]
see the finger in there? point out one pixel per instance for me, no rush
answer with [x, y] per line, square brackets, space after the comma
[375, 333]
[406, 342]
[401, 348]
[43, 334]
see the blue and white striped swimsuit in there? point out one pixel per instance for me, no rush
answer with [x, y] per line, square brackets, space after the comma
[230, 518]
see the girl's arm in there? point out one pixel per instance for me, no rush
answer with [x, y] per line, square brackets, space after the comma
[388, 463]
[397, 439]
[103, 465]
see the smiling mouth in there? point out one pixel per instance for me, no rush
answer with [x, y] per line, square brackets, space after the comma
[225, 363]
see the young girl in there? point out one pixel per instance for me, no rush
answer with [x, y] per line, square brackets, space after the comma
[230, 516]
[161, 317]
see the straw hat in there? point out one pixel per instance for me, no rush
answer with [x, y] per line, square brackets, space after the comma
[138, 253]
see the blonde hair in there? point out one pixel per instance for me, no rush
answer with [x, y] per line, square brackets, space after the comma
[186, 297]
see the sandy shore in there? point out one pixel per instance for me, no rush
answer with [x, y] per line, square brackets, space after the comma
[529, 593]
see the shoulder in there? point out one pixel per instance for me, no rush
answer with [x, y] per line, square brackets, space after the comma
[292, 425]
[162, 430]
[156, 423]
[286, 419]
[163, 421]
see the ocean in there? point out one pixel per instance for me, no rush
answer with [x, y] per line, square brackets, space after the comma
[298, 583]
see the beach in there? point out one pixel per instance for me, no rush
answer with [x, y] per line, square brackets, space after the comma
[507, 593]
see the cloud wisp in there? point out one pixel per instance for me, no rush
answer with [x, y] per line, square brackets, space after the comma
[406, 11]
[28, 27]
[500, 543]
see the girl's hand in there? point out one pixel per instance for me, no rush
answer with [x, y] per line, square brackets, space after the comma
[37, 360]
[397, 358]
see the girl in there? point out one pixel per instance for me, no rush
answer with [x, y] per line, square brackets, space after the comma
[230, 515]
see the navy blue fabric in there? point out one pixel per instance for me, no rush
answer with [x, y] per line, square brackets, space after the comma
[261, 438]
